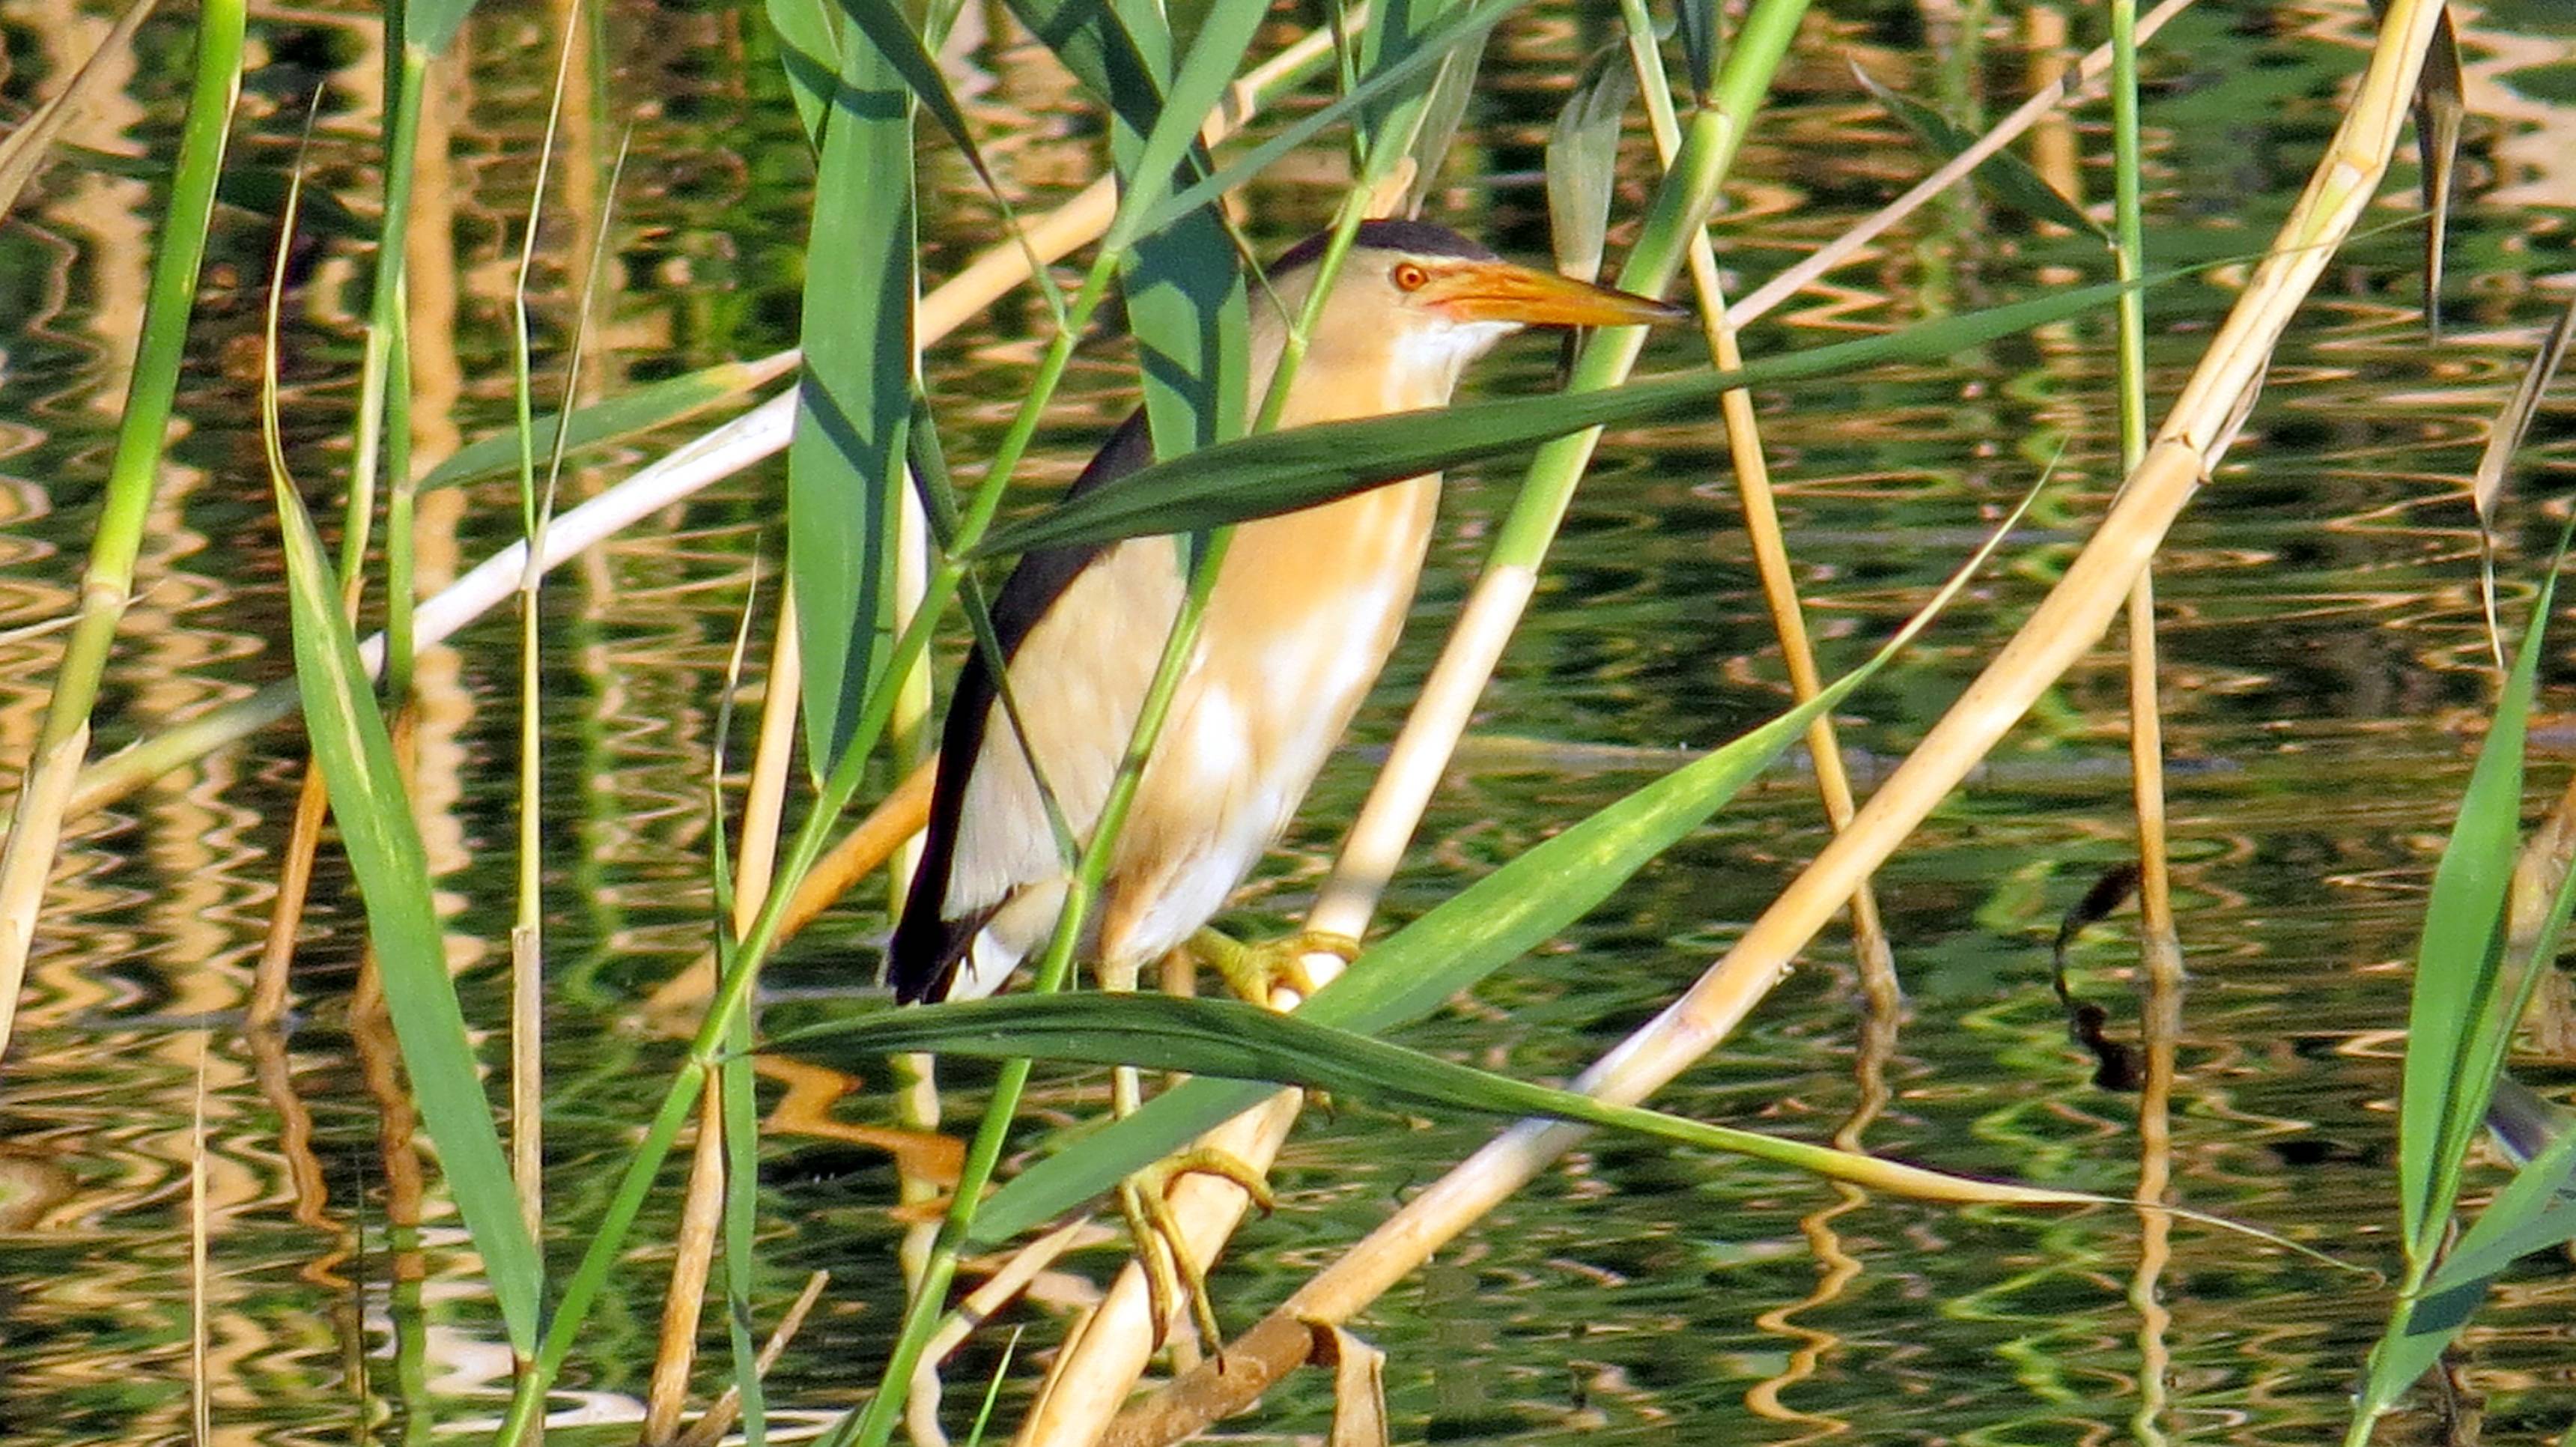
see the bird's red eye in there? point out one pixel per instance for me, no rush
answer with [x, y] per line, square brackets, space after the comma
[1408, 277]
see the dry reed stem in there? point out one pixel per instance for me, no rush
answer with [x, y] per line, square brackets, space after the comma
[270, 988]
[1779, 581]
[1114, 1349]
[29, 147]
[711, 1428]
[702, 1210]
[27, 857]
[2064, 627]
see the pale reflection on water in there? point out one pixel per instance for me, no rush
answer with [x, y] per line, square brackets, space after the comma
[2324, 673]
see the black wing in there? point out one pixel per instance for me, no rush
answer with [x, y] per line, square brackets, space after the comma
[923, 956]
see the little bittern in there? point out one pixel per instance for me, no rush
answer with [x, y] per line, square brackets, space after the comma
[1305, 608]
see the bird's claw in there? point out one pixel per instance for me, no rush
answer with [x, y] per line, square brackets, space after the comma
[1170, 1273]
[1252, 971]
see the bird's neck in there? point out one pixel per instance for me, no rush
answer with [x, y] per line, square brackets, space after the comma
[1366, 373]
[1335, 389]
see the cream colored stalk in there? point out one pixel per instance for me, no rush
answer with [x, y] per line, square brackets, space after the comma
[2065, 626]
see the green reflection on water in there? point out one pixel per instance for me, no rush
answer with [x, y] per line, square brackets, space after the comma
[2322, 661]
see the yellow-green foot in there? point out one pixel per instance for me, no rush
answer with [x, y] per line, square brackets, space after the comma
[1170, 1273]
[1253, 971]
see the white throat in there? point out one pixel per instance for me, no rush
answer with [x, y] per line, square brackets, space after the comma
[1440, 354]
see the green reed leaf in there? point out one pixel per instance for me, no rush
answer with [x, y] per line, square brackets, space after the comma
[809, 50]
[1411, 973]
[1283, 471]
[1157, 153]
[2453, 1037]
[615, 419]
[2472, 984]
[1393, 33]
[2006, 174]
[1228, 1039]
[1186, 303]
[1583, 163]
[1461, 29]
[1444, 109]
[2532, 1214]
[845, 466]
[384, 849]
[883, 21]
[428, 25]
[1094, 44]
[1697, 22]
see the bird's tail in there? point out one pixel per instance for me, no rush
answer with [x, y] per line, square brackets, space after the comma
[922, 959]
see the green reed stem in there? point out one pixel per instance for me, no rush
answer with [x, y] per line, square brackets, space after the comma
[734, 986]
[874, 1425]
[402, 498]
[1681, 206]
[2159, 946]
[2130, 249]
[377, 364]
[527, 929]
[116, 541]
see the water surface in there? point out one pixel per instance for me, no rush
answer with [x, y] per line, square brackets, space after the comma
[2325, 680]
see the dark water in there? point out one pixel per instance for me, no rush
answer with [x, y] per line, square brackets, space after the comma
[2325, 684]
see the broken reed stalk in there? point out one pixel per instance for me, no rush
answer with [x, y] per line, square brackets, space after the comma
[693, 1253]
[711, 1428]
[2066, 625]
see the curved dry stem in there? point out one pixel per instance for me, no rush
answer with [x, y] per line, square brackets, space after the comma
[2062, 630]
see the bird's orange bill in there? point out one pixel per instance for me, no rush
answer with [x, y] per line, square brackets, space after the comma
[1498, 291]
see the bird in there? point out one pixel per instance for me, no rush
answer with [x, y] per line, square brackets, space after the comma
[1304, 611]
